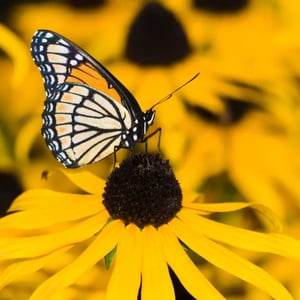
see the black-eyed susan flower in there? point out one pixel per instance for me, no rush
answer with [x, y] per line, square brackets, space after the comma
[239, 111]
[143, 225]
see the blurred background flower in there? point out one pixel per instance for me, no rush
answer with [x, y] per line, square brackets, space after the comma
[233, 133]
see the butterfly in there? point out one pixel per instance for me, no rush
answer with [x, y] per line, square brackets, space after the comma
[88, 113]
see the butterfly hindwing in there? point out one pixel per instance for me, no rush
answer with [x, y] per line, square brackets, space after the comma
[82, 125]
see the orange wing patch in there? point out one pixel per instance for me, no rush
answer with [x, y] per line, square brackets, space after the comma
[64, 129]
[64, 108]
[65, 142]
[62, 118]
[88, 74]
[71, 98]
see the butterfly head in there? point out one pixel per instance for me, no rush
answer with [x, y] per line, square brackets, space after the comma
[148, 117]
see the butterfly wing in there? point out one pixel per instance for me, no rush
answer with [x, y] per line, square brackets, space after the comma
[60, 61]
[82, 125]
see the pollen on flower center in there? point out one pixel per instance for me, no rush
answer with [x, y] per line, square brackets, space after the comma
[143, 191]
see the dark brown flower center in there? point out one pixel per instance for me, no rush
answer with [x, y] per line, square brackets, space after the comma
[143, 191]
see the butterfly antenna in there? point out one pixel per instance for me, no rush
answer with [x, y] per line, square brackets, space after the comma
[176, 90]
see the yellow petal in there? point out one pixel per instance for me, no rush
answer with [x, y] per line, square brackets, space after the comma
[30, 208]
[18, 269]
[126, 275]
[188, 274]
[190, 197]
[229, 261]
[242, 238]
[156, 279]
[42, 198]
[218, 207]
[103, 243]
[207, 208]
[24, 247]
[85, 180]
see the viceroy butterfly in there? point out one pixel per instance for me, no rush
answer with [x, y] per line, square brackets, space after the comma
[88, 113]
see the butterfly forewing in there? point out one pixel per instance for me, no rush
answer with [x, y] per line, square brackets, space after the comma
[82, 125]
[59, 61]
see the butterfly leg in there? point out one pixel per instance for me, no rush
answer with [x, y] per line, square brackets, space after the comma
[116, 148]
[145, 140]
[146, 146]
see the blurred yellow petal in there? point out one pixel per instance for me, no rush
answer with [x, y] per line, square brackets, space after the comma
[6, 159]
[263, 163]
[18, 52]
[26, 136]
[19, 269]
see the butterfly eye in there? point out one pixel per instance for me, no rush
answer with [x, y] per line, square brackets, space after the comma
[149, 116]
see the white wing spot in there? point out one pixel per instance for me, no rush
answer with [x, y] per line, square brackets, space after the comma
[61, 41]
[79, 56]
[41, 57]
[48, 35]
[54, 146]
[73, 62]
[48, 68]
[56, 96]
[52, 79]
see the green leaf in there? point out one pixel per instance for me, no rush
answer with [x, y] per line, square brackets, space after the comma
[109, 257]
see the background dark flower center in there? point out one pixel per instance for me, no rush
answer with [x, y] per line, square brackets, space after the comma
[221, 6]
[156, 37]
